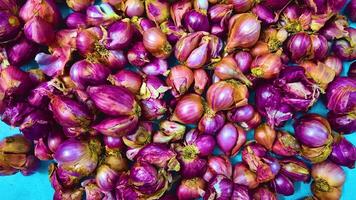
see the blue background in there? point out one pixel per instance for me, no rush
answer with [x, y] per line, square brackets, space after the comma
[37, 186]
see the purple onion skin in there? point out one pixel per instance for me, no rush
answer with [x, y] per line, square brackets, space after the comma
[343, 153]
[298, 46]
[84, 73]
[243, 60]
[118, 126]
[156, 154]
[22, 51]
[138, 55]
[113, 142]
[120, 35]
[76, 20]
[211, 124]
[265, 14]
[295, 169]
[14, 115]
[193, 167]
[36, 125]
[219, 187]
[241, 114]
[283, 185]
[196, 21]
[350, 10]
[240, 192]
[144, 177]
[343, 122]
[312, 130]
[344, 50]
[10, 24]
[39, 31]
[341, 95]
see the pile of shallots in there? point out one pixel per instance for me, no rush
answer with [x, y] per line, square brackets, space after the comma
[158, 99]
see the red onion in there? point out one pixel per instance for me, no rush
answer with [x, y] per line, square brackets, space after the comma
[87, 39]
[153, 87]
[41, 150]
[201, 80]
[266, 66]
[285, 144]
[84, 73]
[36, 125]
[241, 6]
[218, 165]
[11, 25]
[220, 13]
[244, 31]
[178, 10]
[243, 60]
[230, 139]
[199, 56]
[265, 135]
[225, 95]
[283, 185]
[313, 130]
[153, 108]
[334, 63]
[243, 176]
[114, 100]
[196, 21]
[14, 114]
[79, 5]
[76, 20]
[220, 188]
[113, 142]
[180, 79]
[252, 154]
[156, 67]
[53, 64]
[342, 122]
[54, 139]
[115, 59]
[187, 44]
[39, 31]
[328, 180]
[142, 24]
[240, 192]
[155, 41]
[92, 191]
[295, 169]
[343, 153]
[128, 79]
[14, 81]
[138, 55]
[117, 126]
[106, 177]
[46, 10]
[340, 95]
[120, 34]
[265, 14]
[173, 32]
[21, 51]
[299, 45]
[78, 156]
[227, 69]
[211, 123]
[102, 14]
[191, 189]
[189, 109]
[134, 8]
[157, 10]
[319, 47]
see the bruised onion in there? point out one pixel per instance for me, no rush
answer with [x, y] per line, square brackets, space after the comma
[244, 31]
[36, 125]
[14, 81]
[153, 108]
[230, 139]
[189, 109]
[220, 187]
[155, 41]
[264, 193]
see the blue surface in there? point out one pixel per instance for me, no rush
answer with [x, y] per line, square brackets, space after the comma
[37, 186]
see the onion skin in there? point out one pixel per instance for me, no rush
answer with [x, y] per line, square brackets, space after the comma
[39, 31]
[191, 189]
[155, 41]
[201, 80]
[117, 127]
[334, 63]
[252, 154]
[241, 6]
[211, 124]
[36, 125]
[265, 14]
[225, 95]
[227, 68]
[76, 20]
[79, 5]
[283, 185]
[343, 122]
[106, 177]
[189, 109]
[16, 51]
[218, 165]
[114, 100]
[343, 153]
[153, 108]
[102, 14]
[11, 26]
[220, 188]
[138, 55]
[230, 139]
[13, 115]
[178, 10]
[157, 10]
[128, 79]
[84, 73]
[134, 8]
[195, 21]
[264, 193]
[243, 176]
[120, 35]
[46, 10]
[328, 180]
[265, 135]
[156, 67]
[299, 45]
[340, 95]
[266, 66]
[239, 35]
[313, 130]
[187, 44]
[86, 40]
[70, 113]
[285, 144]
[295, 169]
[180, 79]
